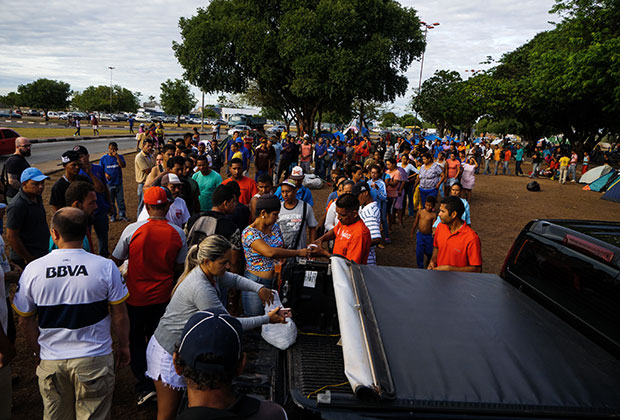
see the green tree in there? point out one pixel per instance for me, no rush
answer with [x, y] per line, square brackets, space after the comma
[439, 100]
[11, 100]
[97, 98]
[209, 112]
[45, 94]
[409, 120]
[309, 56]
[389, 119]
[176, 98]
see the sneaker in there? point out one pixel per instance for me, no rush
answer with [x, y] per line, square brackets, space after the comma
[146, 396]
[123, 218]
[387, 241]
[112, 219]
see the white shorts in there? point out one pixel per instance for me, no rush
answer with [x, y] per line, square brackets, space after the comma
[159, 366]
[95, 127]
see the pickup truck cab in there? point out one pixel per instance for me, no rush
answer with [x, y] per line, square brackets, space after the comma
[378, 342]
[572, 267]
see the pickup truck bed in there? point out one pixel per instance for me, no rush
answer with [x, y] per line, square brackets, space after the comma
[450, 345]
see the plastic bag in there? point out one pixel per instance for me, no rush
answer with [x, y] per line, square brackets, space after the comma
[312, 181]
[281, 336]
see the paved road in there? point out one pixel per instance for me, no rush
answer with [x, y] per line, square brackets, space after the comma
[45, 152]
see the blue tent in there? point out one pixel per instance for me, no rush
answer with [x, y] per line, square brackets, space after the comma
[613, 192]
[600, 183]
[432, 137]
[478, 140]
[339, 135]
[326, 135]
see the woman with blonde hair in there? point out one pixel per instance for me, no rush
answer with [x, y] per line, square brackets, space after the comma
[198, 289]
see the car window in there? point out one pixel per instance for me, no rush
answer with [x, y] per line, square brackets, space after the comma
[583, 286]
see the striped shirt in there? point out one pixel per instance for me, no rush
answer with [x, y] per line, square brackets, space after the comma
[69, 290]
[371, 215]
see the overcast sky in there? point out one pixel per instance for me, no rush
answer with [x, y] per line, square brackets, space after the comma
[76, 41]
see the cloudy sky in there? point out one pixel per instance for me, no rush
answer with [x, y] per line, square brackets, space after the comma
[76, 41]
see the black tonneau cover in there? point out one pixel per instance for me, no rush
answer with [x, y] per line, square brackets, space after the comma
[473, 344]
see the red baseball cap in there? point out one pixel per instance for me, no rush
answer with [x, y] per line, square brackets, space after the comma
[155, 195]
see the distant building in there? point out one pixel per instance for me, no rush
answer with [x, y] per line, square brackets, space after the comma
[227, 112]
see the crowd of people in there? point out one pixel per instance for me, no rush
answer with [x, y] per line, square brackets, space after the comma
[216, 225]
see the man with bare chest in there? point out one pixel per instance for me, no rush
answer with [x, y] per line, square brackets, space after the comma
[424, 224]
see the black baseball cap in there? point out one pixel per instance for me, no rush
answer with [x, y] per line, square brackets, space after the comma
[214, 333]
[360, 187]
[69, 156]
[81, 149]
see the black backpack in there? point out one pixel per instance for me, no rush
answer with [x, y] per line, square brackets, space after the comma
[533, 186]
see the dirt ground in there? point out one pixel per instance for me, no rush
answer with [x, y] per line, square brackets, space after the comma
[500, 207]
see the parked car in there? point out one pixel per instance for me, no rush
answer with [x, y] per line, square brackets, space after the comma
[118, 117]
[7, 140]
[15, 114]
[241, 129]
[5, 114]
[33, 113]
[275, 129]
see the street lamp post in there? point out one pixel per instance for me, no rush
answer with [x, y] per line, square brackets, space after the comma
[426, 28]
[111, 68]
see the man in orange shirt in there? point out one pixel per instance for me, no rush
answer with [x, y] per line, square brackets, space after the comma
[247, 185]
[456, 246]
[507, 156]
[351, 236]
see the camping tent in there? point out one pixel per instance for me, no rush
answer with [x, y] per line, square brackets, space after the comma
[612, 180]
[600, 183]
[594, 174]
[613, 192]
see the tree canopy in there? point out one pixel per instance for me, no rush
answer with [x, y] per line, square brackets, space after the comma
[176, 98]
[97, 98]
[45, 94]
[305, 56]
[563, 81]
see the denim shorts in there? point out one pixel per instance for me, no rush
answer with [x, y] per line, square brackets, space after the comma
[252, 305]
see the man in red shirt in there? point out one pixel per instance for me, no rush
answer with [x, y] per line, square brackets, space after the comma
[247, 185]
[351, 236]
[156, 251]
[456, 246]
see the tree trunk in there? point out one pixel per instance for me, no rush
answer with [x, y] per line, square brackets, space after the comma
[46, 117]
[320, 120]
[178, 121]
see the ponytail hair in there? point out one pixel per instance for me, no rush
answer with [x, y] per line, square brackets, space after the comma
[210, 249]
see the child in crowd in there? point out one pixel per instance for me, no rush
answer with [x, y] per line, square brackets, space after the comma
[423, 222]
[585, 163]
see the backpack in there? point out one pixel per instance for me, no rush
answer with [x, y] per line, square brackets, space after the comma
[533, 186]
[203, 227]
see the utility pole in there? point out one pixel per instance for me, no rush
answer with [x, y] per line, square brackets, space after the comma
[111, 68]
[426, 28]
[202, 113]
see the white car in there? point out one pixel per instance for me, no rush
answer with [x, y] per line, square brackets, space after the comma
[241, 129]
[275, 129]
